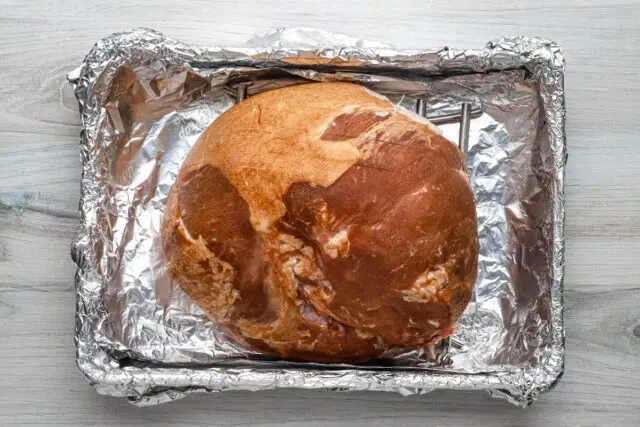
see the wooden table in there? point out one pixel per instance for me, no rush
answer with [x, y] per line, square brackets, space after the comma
[40, 41]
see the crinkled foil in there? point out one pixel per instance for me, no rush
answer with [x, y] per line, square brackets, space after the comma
[144, 100]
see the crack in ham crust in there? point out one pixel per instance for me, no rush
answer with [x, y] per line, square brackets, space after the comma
[315, 222]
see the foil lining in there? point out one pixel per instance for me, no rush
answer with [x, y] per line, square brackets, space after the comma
[144, 100]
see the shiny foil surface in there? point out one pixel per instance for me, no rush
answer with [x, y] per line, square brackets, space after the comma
[144, 101]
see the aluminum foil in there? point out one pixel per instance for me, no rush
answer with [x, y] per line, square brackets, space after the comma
[144, 100]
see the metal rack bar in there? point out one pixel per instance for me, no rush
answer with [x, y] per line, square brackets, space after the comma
[241, 93]
[464, 116]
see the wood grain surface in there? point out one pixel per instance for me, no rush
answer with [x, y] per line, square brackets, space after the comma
[40, 41]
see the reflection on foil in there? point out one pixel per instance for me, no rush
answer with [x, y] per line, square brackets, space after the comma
[145, 99]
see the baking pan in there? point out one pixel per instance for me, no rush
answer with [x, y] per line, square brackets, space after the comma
[144, 100]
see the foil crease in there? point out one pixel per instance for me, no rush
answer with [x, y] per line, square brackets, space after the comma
[144, 100]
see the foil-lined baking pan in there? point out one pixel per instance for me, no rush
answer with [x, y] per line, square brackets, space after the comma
[144, 100]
